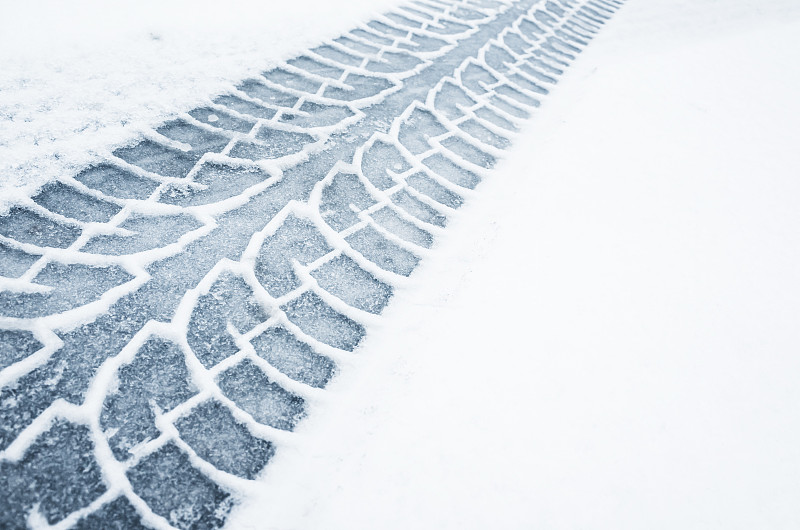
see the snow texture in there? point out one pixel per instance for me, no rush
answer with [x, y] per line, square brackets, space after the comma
[174, 310]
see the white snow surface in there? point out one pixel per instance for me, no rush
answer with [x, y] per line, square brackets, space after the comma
[607, 336]
[80, 78]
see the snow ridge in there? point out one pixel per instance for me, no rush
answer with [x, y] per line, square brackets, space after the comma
[169, 316]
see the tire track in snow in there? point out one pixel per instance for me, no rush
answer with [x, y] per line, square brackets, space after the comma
[168, 316]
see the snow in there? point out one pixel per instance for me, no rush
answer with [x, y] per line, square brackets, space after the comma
[606, 336]
[602, 336]
[80, 78]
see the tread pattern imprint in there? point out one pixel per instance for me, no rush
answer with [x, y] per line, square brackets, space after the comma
[168, 316]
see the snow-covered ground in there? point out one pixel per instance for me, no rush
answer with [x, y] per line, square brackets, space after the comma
[79, 78]
[605, 337]
[608, 337]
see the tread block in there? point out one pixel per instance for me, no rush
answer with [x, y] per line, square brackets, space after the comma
[489, 4]
[214, 434]
[308, 64]
[156, 380]
[402, 21]
[275, 144]
[517, 44]
[46, 480]
[402, 199]
[467, 14]
[536, 74]
[30, 227]
[15, 345]
[491, 116]
[175, 490]
[509, 108]
[223, 120]
[476, 130]
[587, 20]
[258, 90]
[319, 320]
[386, 29]
[362, 47]
[555, 9]
[149, 232]
[449, 98]
[586, 17]
[530, 29]
[596, 16]
[283, 142]
[600, 17]
[380, 158]
[221, 182]
[296, 239]
[343, 278]
[499, 59]
[393, 62]
[344, 190]
[476, 78]
[418, 128]
[516, 95]
[242, 106]
[378, 39]
[118, 514]
[229, 301]
[359, 86]
[426, 185]
[447, 27]
[334, 54]
[159, 159]
[279, 76]
[576, 29]
[200, 140]
[566, 37]
[69, 202]
[294, 358]
[448, 169]
[469, 152]
[387, 255]
[394, 223]
[315, 115]
[559, 46]
[545, 18]
[267, 402]
[423, 43]
[545, 53]
[527, 84]
[116, 182]
[73, 285]
[14, 262]
[416, 12]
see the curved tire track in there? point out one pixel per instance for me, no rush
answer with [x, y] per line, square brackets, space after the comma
[167, 316]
